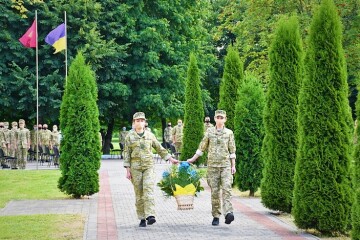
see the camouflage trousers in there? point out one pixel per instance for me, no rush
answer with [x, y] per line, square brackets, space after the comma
[143, 181]
[5, 154]
[13, 153]
[22, 157]
[5, 150]
[178, 146]
[220, 178]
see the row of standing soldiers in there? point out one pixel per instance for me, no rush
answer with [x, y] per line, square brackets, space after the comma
[174, 135]
[17, 141]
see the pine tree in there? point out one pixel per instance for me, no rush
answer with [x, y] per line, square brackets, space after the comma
[322, 192]
[249, 134]
[355, 211]
[194, 112]
[280, 116]
[231, 80]
[79, 122]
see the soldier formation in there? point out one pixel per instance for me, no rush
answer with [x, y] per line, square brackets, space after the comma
[17, 142]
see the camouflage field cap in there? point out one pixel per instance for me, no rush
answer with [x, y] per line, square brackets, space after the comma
[220, 113]
[139, 115]
[21, 121]
[6, 123]
[14, 124]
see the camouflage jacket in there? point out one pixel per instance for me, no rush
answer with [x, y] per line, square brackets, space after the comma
[13, 134]
[167, 134]
[2, 138]
[122, 136]
[23, 138]
[54, 138]
[33, 136]
[178, 133]
[45, 136]
[207, 126]
[220, 145]
[7, 135]
[138, 150]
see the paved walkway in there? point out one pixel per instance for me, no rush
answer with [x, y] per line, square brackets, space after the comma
[111, 214]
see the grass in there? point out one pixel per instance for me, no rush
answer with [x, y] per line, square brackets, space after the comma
[49, 226]
[29, 185]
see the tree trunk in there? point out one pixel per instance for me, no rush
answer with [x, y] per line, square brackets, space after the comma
[163, 126]
[252, 193]
[108, 137]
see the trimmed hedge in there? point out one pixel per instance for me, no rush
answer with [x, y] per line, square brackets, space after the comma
[79, 122]
[194, 112]
[249, 134]
[280, 117]
[322, 193]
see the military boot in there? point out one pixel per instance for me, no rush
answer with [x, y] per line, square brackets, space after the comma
[142, 223]
[150, 220]
[229, 218]
[215, 221]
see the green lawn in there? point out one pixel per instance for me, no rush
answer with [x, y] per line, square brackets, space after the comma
[21, 185]
[49, 226]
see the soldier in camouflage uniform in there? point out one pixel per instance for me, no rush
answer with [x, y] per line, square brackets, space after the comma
[139, 164]
[45, 137]
[207, 124]
[122, 136]
[168, 135]
[220, 143]
[23, 144]
[33, 138]
[177, 135]
[13, 144]
[7, 137]
[55, 143]
[2, 142]
[34, 141]
[54, 137]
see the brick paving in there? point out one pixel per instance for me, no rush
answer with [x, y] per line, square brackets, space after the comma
[111, 213]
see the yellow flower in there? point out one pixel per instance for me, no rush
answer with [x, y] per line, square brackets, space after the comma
[189, 189]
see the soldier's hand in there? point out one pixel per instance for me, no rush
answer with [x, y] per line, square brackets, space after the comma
[233, 170]
[128, 174]
[173, 160]
[190, 160]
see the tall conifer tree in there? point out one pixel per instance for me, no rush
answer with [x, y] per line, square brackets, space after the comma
[79, 122]
[280, 116]
[249, 134]
[231, 80]
[322, 194]
[194, 112]
[355, 214]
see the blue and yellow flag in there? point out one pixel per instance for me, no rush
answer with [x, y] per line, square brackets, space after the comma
[57, 38]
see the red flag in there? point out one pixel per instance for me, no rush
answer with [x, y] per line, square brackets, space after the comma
[29, 38]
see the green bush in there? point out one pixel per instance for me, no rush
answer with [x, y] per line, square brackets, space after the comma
[280, 116]
[249, 134]
[322, 192]
[231, 80]
[80, 145]
[194, 112]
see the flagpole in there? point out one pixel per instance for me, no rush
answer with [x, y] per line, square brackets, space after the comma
[65, 48]
[37, 93]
